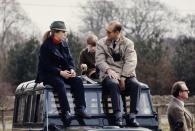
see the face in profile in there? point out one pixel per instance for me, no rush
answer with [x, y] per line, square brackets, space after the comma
[60, 35]
[91, 48]
[184, 92]
[91, 44]
[111, 35]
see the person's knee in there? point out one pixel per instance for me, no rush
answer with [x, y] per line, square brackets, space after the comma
[56, 82]
[76, 84]
[76, 80]
[112, 83]
[60, 88]
[140, 85]
[134, 85]
[143, 85]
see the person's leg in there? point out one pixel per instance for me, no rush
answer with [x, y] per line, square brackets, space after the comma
[133, 90]
[77, 90]
[112, 86]
[59, 87]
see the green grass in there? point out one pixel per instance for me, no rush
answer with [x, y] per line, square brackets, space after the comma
[8, 126]
[164, 127]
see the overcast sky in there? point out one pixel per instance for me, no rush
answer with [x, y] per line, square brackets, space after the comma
[43, 12]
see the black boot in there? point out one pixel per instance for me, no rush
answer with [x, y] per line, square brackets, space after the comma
[132, 122]
[118, 119]
[67, 119]
[81, 112]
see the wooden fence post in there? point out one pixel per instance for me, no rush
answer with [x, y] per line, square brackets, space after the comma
[3, 119]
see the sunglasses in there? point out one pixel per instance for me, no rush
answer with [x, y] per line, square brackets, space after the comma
[185, 91]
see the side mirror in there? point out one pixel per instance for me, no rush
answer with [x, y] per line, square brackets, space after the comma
[155, 115]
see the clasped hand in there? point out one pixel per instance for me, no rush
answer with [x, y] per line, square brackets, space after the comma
[68, 74]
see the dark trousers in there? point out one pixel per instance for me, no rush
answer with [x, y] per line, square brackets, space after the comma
[77, 89]
[132, 89]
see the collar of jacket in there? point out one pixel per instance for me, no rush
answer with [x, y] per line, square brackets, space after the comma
[63, 42]
[56, 41]
[120, 41]
[176, 100]
[53, 48]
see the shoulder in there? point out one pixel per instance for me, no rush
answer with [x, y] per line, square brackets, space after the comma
[102, 41]
[127, 41]
[85, 50]
[46, 44]
[174, 108]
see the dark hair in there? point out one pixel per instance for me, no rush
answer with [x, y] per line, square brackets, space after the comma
[177, 87]
[92, 40]
[116, 26]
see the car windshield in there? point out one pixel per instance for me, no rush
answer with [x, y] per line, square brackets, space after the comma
[144, 105]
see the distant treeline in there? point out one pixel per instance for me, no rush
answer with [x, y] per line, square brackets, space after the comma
[164, 41]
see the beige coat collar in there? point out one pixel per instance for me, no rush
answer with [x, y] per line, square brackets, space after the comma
[120, 41]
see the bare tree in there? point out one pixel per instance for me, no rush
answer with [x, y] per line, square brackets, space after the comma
[10, 18]
[187, 25]
[142, 19]
[12, 23]
[148, 19]
[97, 13]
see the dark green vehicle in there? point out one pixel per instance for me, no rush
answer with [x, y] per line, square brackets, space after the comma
[37, 108]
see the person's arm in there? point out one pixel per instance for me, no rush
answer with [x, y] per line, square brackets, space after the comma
[100, 58]
[179, 117]
[82, 63]
[102, 64]
[45, 58]
[130, 60]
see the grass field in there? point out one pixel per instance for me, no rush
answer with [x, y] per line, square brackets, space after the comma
[164, 123]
